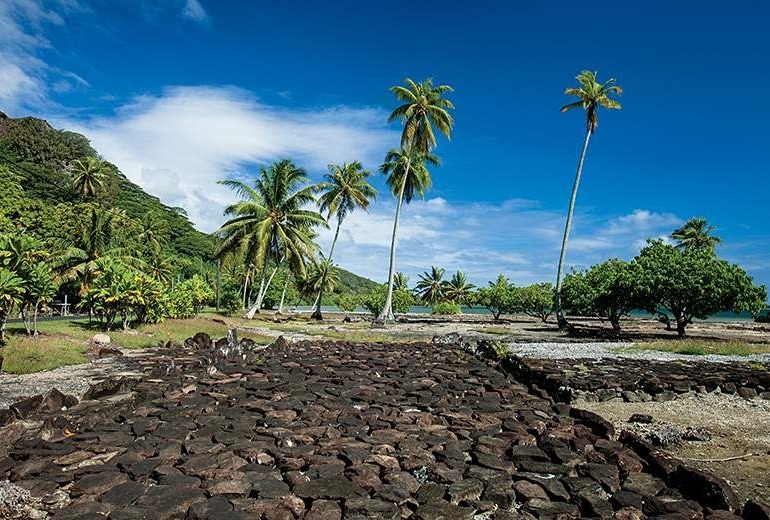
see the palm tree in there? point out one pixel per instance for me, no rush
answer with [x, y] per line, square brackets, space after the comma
[696, 234]
[271, 222]
[432, 287]
[458, 289]
[422, 107]
[79, 261]
[88, 175]
[591, 95]
[345, 189]
[321, 277]
[400, 282]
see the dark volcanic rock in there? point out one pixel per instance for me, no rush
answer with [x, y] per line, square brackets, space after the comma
[756, 510]
[706, 488]
[230, 430]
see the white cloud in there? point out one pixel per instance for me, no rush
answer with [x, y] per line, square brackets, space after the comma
[22, 35]
[193, 10]
[521, 241]
[178, 144]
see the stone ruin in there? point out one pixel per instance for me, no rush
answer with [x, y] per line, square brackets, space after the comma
[230, 430]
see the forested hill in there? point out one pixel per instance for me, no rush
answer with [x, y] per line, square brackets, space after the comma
[34, 157]
[38, 196]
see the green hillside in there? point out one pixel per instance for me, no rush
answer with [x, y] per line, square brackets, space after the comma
[38, 197]
[37, 156]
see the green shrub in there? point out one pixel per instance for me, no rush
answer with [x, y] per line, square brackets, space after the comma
[375, 300]
[447, 308]
[231, 301]
[347, 302]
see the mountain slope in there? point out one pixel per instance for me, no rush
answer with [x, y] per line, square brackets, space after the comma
[37, 195]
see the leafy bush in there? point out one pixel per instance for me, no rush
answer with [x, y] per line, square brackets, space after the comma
[608, 290]
[375, 300]
[446, 308]
[231, 301]
[347, 302]
[499, 297]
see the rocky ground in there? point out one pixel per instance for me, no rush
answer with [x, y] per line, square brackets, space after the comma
[723, 433]
[321, 430]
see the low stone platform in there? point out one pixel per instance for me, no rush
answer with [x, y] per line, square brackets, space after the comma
[325, 431]
[635, 380]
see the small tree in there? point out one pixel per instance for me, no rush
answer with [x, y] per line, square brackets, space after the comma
[11, 290]
[347, 302]
[608, 290]
[189, 297]
[693, 283]
[374, 301]
[535, 300]
[112, 294]
[39, 290]
[499, 297]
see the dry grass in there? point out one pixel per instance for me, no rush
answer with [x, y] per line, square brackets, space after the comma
[705, 347]
[62, 342]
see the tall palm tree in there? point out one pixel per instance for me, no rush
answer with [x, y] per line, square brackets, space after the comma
[423, 107]
[458, 289]
[271, 222]
[432, 287]
[591, 95]
[696, 234]
[88, 175]
[345, 188]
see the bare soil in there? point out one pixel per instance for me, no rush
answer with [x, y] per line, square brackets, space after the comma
[738, 428]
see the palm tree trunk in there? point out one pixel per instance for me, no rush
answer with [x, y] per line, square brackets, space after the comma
[263, 287]
[317, 305]
[245, 286]
[387, 311]
[255, 308]
[283, 294]
[557, 299]
[34, 321]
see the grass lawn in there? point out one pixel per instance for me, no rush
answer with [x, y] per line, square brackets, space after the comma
[702, 347]
[64, 342]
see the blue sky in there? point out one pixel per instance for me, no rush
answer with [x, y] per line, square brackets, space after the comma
[180, 93]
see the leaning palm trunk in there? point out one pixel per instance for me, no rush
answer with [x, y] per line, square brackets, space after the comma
[317, 305]
[263, 287]
[245, 288]
[557, 299]
[283, 295]
[387, 311]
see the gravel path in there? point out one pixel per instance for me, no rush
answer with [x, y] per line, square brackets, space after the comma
[616, 350]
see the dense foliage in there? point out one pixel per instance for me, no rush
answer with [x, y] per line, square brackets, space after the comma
[502, 297]
[693, 283]
[374, 301]
[608, 290]
[685, 283]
